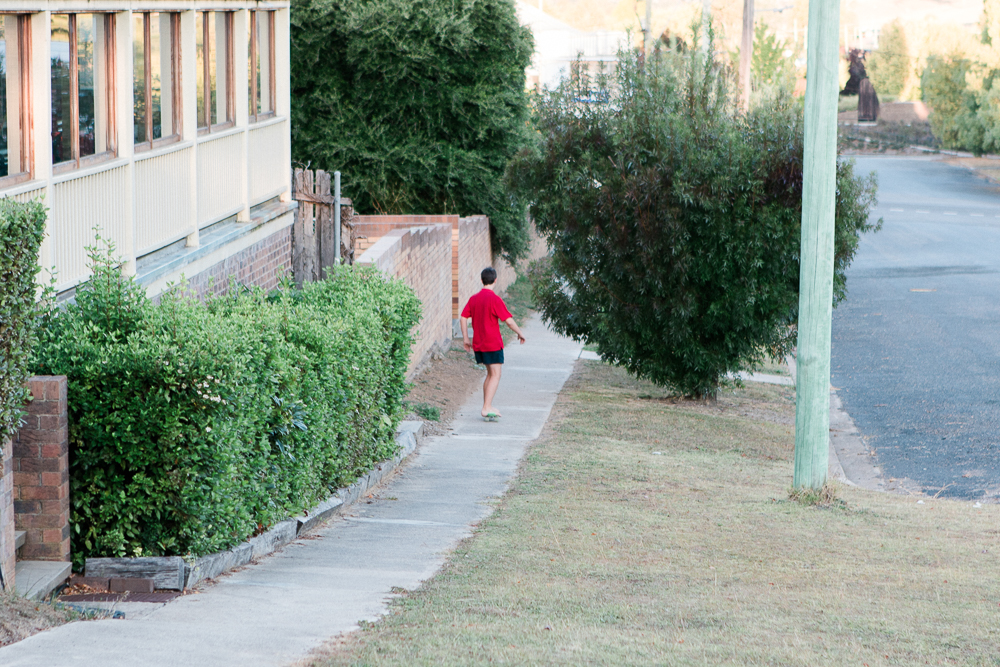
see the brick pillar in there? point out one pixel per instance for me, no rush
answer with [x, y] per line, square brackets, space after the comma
[41, 471]
[7, 514]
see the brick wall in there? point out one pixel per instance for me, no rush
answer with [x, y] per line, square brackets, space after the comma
[421, 258]
[264, 263]
[7, 514]
[41, 471]
[473, 255]
[374, 227]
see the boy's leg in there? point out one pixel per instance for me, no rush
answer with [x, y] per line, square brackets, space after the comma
[490, 385]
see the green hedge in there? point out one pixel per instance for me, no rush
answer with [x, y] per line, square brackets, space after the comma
[194, 425]
[22, 227]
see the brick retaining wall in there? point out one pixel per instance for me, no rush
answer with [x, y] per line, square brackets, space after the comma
[473, 255]
[262, 264]
[41, 471]
[421, 258]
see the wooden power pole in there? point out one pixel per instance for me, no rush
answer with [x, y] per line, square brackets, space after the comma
[819, 192]
[746, 56]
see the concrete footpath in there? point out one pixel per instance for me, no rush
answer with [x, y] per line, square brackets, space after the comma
[277, 611]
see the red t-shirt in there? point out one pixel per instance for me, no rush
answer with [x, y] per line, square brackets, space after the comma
[487, 310]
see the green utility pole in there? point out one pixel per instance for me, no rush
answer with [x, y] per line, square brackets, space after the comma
[819, 191]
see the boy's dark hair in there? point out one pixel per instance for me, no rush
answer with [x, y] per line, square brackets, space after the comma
[489, 275]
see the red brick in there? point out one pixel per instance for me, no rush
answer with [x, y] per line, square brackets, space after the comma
[26, 507]
[54, 450]
[27, 479]
[57, 506]
[40, 492]
[41, 521]
[52, 535]
[42, 551]
[52, 478]
[46, 408]
[53, 422]
[135, 585]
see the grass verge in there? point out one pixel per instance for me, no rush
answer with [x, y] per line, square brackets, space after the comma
[20, 618]
[647, 530]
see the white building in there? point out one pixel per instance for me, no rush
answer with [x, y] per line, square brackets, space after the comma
[163, 125]
[558, 45]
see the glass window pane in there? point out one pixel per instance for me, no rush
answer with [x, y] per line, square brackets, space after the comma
[62, 147]
[264, 46]
[199, 50]
[219, 24]
[139, 78]
[6, 128]
[253, 69]
[86, 29]
[156, 72]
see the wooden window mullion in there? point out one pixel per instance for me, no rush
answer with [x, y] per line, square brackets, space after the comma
[230, 69]
[25, 115]
[74, 93]
[147, 54]
[110, 81]
[253, 65]
[206, 70]
[175, 74]
[272, 69]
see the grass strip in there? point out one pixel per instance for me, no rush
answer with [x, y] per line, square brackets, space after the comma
[646, 530]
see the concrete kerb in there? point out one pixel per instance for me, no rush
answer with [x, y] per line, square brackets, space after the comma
[213, 565]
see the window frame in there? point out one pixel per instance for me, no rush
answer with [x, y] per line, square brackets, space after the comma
[176, 88]
[270, 71]
[25, 114]
[111, 82]
[230, 73]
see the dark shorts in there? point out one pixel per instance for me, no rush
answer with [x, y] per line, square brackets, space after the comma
[489, 357]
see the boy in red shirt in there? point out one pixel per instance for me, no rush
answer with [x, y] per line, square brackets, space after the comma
[485, 309]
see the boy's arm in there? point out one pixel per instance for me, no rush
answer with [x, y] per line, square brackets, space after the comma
[464, 323]
[513, 325]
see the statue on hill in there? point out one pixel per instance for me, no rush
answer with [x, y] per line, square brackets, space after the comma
[867, 102]
[856, 58]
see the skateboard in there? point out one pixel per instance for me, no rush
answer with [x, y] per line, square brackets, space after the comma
[492, 417]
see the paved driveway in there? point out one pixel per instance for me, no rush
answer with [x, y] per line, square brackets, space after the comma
[916, 344]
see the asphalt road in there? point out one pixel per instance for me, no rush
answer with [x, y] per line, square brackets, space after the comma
[916, 343]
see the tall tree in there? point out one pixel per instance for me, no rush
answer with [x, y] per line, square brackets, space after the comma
[419, 103]
[889, 66]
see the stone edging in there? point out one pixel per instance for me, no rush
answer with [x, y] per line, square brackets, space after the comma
[212, 565]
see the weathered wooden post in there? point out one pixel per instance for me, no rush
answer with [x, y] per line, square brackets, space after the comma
[819, 191]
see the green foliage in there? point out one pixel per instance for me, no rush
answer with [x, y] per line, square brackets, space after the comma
[22, 227]
[420, 103]
[962, 117]
[889, 66]
[674, 222]
[769, 65]
[193, 425]
[426, 411]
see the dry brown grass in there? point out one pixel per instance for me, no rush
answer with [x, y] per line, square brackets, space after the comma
[644, 530]
[21, 618]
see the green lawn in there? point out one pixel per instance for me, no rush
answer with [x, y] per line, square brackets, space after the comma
[645, 530]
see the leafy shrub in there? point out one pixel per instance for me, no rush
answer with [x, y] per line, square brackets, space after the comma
[22, 227]
[420, 103]
[962, 116]
[193, 425]
[889, 66]
[674, 222]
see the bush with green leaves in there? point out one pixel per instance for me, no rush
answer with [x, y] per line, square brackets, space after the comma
[419, 103]
[22, 227]
[674, 221]
[194, 425]
[889, 66]
[963, 117]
